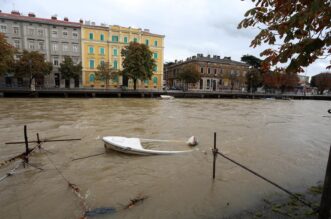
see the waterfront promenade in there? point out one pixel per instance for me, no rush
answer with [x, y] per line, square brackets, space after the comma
[118, 93]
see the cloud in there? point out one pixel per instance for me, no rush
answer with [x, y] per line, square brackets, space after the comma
[190, 27]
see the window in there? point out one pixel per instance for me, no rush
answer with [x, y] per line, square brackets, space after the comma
[201, 70]
[55, 61]
[114, 39]
[155, 55]
[55, 46]
[75, 47]
[41, 45]
[31, 44]
[147, 42]
[16, 30]
[90, 49]
[215, 71]
[208, 70]
[155, 68]
[155, 80]
[125, 39]
[155, 43]
[102, 51]
[115, 52]
[102, 37]
[3, 28]
[40, 32]
[115, 64]
[75, 35]
[75, 60]
[102, 62]
[92, 77]
[91, 63]
[135, 40]
[31, 31]
[65, 34]
[91, 36]
[146, 81]
[65, 47]
[54, 33]
[17, 44]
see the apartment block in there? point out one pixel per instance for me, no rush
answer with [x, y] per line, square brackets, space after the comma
[104, 43]
[52, 37]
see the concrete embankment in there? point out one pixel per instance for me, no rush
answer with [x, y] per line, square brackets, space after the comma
[100, 93]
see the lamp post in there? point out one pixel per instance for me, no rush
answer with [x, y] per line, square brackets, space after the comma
[30, 67]
[251, 87]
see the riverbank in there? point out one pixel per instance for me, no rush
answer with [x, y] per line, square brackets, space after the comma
[116, 93]
[280, 206]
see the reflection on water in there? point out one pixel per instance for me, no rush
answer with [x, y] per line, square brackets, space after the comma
[287, 141]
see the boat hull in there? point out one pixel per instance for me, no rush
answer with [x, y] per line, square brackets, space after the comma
[133, 146]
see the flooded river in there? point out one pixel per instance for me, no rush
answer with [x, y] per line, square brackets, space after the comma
[286, 141]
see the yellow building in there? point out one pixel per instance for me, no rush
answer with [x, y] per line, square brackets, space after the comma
[104, 44]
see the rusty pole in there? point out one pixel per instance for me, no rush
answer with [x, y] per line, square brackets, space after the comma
[26, 158]
[325, 206]
[215, 151]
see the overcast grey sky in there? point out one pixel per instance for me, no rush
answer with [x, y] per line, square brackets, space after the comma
[189, 26]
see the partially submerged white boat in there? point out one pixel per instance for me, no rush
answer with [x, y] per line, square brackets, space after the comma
[167, 97]
[133, 146]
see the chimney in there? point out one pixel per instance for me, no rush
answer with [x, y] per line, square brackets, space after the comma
[31, 14]
[66, 19]
[15, 12]
[81, 21]
[54, 17]
[208, 56]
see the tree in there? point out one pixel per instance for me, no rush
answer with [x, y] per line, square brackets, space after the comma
[105, 73]
[254, 75]
[253, 79]
[189, 74]
[322, 81]
[69, 70]
[301, 28]
[6, 55]
[251, 61]
[138, 62]
[272, 80]
[32, 65]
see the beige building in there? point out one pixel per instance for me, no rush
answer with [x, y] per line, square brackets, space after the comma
[216, 74]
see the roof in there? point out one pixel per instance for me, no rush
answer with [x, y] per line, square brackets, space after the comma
[18, 17]
[210, 60]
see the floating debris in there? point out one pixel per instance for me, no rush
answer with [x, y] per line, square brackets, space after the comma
[99, 211]
[135, 201]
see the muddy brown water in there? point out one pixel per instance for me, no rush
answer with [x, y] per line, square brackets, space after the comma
[286, 141]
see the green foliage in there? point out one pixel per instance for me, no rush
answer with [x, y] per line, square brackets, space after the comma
[254, 79]
[105, 73]
[69, 70]
[301, 29]
[6, 55]
[32, 65]
[189, 74]
[322, 81]
[138, 62]
[251, 61]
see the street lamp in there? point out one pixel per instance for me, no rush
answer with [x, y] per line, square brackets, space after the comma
[251, 87]
[30, 66]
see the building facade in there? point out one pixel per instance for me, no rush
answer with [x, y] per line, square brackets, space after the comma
[104, 44]
[216, 74]
[52, 37]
